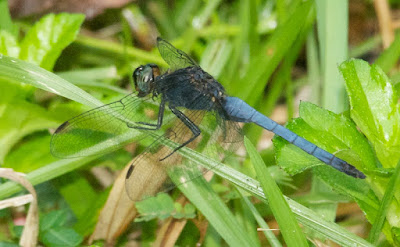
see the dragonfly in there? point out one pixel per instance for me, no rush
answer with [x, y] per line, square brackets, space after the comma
[194, 107]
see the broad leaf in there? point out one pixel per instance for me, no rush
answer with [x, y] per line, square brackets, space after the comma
[374, 108]
[332, 132]
[8, 44]
[61, 236]
[45, 41]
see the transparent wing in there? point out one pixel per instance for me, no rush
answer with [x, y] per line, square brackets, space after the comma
[111, 126]
[176, 59]
[104, 128]
[148, 174]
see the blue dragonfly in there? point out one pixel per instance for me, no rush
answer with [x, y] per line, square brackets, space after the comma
[200, 114]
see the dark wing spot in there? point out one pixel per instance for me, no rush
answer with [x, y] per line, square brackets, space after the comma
[129, 173]
[61, 127]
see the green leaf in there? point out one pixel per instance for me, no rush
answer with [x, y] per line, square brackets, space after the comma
[387, 199]
[343, 129]
[21, 72]
[6, 22]
[160, 206]
[294, 160]
[270, 54]
[200, 193]
[44, 42]
[207, 201]
[374, 108]
[77, 192]
[19, 118]
[288, 224]
[357, 189]
[334, 133]
[390, 56]
[53, 219]
[22, 159]
[8, 244]
[61, 236]
[273, 241]
[8, 44]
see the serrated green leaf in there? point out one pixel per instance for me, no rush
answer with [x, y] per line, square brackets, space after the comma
[374, 108]
[333, 132]
[44, 42]
[61, 236]
[294, 160]
[53, 219]
[8, 44]
[343, 129]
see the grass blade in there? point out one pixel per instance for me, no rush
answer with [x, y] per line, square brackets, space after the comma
[289, 227]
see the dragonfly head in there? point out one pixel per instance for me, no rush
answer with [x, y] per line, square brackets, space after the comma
[144, 76]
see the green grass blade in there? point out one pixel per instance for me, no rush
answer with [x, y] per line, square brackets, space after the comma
[15, 70]
[273, 241]
[332, 20]
[5, 19]
[270, 55]
[392, 187]
[304, 215]
[288, 224]
[200, 193]
[390, 56]
[118, 50]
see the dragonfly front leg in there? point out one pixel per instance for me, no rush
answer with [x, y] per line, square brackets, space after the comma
[193, 127]
[159, 120]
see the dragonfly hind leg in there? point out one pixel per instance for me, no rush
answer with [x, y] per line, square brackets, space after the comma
[193, 127]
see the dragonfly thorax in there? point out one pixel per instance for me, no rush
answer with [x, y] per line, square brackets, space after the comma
[143, 77]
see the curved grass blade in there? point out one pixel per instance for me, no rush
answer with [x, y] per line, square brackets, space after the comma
[18, 71]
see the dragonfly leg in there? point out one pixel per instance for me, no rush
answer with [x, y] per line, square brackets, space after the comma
[193, 127]
[154, 126]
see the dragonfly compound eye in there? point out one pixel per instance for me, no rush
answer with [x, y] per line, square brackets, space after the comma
[143, 77]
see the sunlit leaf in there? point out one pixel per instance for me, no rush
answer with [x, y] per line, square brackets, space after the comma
[44, 42]
[8, 44]
[374, 108]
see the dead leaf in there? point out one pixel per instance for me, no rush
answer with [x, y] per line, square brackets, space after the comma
[31, 229]
[117, 214]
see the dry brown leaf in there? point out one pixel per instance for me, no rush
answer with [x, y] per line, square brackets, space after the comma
[146, 179]
[171, 229]
[31, 229]
[117, 213]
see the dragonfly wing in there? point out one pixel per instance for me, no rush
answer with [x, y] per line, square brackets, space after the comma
[176, 59]
[148, 174]
[104, 128]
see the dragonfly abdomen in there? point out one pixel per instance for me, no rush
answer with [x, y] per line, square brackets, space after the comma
[240, 111]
